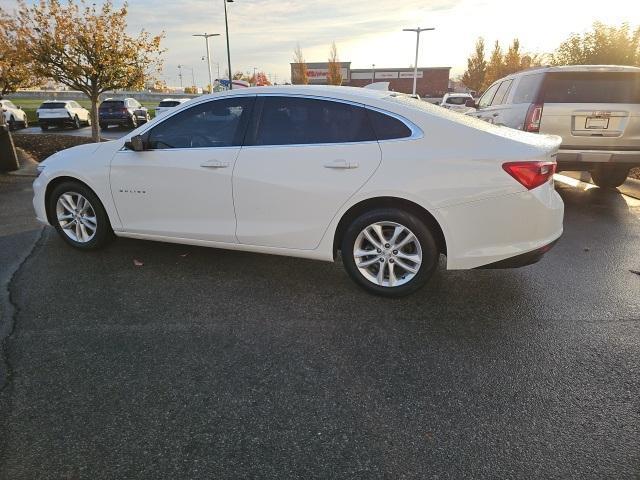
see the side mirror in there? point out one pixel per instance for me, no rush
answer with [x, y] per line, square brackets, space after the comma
[471, 103]
[135, 143]
[19, 107]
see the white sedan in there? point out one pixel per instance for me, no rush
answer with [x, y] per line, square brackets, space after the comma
[13, 115]
[390, 182]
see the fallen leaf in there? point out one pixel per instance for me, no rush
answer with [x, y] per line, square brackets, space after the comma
[184, 254]
[137, 263]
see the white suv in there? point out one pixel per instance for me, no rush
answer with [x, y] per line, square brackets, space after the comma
[594, 108]
[169, 103]
[62, 113]
[13, 115]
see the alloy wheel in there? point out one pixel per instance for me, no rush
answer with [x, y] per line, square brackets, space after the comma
[76, 217]
[387, 254]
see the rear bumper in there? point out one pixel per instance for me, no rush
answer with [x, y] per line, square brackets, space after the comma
[522, 260]
[583, 159]
[497, 229]
[58, 121]
[115, 121]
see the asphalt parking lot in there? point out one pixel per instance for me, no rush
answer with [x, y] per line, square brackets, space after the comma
[111, 133]
[204, 363]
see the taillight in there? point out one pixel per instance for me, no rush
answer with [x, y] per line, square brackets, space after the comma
[532, 120]
[124, 110]
[530, 174]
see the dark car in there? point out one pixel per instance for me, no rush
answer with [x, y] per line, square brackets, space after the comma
[127, 112]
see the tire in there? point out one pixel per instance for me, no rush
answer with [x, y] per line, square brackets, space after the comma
[92, 234]
[133, 122]
[609, 177]
[25, 122]
[76, 123]
[147, 118]
[44, 127]
[103, 126]
[88, 122]
[12, 123]
[422, 246]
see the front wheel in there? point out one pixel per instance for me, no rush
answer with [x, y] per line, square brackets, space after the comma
[133, 122]
[79, 217]
[25, 122]
[389, 252]
[608, 176]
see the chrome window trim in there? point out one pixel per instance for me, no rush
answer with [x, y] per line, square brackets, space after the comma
[416, 132]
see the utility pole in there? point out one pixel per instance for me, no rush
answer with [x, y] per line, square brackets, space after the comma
[415, 65]
[373, 75]
[226, 28]
[206, 39]
[180, 74]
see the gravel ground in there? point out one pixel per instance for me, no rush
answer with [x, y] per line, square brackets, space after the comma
[635, 173]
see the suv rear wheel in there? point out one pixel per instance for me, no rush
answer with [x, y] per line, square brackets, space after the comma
[609, 177]
[389, 252]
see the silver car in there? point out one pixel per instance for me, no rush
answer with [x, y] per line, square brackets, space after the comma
[594, 108]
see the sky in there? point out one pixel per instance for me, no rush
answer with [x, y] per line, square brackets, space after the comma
[264, 33]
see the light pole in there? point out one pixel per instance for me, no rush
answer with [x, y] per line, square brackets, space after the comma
[254, 76]
[415, 65]
[373, 74]
[206, 39]
[226, 28]
[193, 75]
[180, 74]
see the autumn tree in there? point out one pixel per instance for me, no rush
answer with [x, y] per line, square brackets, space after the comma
[299, 74]
[16, 69]
[603, 45]
[334, 73]
[261, 79]
[495, 66]
[86, 47]
[473, 77]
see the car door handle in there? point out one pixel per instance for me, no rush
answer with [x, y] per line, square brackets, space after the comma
[214, 164]
[340, 164]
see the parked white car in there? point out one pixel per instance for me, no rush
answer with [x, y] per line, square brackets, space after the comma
[62, 113]
[169, 103]
[13, 116]
[307, 171]
[457, 102]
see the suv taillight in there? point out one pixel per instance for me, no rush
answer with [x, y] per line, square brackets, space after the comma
[530, 174]
[532, 120]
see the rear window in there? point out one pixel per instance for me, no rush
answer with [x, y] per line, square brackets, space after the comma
[169, 103]
[592, 87]
[457, 100]
[52, 105]
[112, 104]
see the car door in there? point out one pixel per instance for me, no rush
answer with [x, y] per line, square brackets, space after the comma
[180, 185]
[485, 102]
[302, 160]
[494, 113]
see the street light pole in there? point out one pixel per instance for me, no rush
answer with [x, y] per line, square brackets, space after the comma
[226, 28]
[415, 65]
[206, 39]
[373, 75]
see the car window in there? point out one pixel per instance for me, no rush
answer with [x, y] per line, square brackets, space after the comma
[457, 100]
[169, 103]
[112, 104]
[528, 88]
[592, 87]
[218, 123]
[501, 93]
[52, 105]
[387, 127]
[485, 100]
[297, 121]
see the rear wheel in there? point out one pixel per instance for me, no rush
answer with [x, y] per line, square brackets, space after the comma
[103, 126]
[608, 176]
[44, 127]
[389, 252]
[12, 123]
[79, 217]
[25, 122]
[133, 122]
[76, 123]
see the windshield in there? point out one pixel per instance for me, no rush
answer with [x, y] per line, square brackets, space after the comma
[169, 103]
